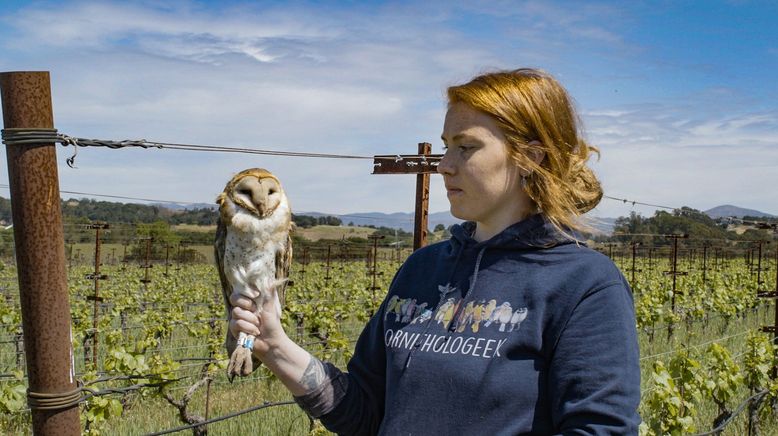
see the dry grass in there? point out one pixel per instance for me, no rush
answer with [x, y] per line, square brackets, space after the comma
[334, 232]
[194, 228]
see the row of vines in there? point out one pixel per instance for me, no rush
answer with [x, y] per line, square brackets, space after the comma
[154, 357]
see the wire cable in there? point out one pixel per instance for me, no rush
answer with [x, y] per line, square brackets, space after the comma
[264, 405]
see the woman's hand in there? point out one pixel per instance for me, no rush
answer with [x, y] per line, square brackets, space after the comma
[265, 325]
[272, 346]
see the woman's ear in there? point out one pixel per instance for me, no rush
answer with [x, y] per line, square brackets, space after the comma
[536, 152]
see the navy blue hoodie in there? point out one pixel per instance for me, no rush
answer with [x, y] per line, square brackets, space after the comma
[526, 333]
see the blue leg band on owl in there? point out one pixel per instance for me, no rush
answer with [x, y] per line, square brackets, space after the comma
[249, 343]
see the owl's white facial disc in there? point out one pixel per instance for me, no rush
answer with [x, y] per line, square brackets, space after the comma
[258, 196]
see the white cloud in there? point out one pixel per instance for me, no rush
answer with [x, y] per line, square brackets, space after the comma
[360, 81]
[663, 154]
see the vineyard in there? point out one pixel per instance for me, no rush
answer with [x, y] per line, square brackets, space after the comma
[150, 350]
[147, 318]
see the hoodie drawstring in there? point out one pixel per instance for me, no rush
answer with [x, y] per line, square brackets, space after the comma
[443, 296]
[455, 320]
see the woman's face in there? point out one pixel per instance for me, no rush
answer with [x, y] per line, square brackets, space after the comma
[482, 183]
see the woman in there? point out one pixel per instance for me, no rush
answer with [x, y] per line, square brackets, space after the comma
[554, 349]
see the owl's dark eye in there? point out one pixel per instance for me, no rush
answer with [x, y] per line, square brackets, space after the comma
[245, 192]
[271, 192]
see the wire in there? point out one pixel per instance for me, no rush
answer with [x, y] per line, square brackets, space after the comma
[702, 344]
[116, 196]
[756, 397]
[35, 136]
[222, 418]
[624, 200]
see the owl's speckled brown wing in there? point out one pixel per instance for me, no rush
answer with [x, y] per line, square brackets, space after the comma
[283, 263]
[218, 250]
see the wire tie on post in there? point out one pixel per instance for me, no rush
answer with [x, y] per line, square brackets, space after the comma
[22, 136]
[56, 401]
[398, 158]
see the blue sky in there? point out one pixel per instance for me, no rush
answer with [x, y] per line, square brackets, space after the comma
[680, 96]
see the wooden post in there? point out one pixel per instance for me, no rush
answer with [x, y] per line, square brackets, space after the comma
[422, 165]
[40, 251]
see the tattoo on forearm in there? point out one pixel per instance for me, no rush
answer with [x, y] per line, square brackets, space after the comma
[314, 374]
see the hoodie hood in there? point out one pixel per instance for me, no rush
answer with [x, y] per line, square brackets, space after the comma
[535, 231]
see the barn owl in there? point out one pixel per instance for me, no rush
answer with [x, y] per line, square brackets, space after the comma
[253, 249]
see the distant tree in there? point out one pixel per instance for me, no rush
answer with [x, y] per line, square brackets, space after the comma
[439, 227]
[329, 221]
[161, 234]
[633, 225]
[387, 231]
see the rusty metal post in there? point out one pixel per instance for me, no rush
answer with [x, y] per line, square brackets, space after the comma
[147, 278]
[329, 254]
[704, 264]
[124, 256]
[422, 165]
[774, 372]
[167, 259]
[40, 250]
[96, 276]
[773, 328]
[650, 259]
[374, 269]
[759, 264]
[634, 267]
[675, 273]
[422, 202]
[303, 261]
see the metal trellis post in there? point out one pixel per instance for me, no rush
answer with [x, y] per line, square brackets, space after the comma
[773, 328]
[634, 267]
[96, 277]
[374, 269]
[675, 273]
[40, 250]
[422, 165]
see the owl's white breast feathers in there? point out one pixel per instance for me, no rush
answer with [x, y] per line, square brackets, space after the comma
[250, 252]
